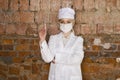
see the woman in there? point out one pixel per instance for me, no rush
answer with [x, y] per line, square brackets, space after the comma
[64, 50]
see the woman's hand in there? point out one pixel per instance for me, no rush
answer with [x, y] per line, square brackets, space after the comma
[43, 33]
[53, 61]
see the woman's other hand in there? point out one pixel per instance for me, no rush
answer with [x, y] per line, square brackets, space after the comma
[53, 61]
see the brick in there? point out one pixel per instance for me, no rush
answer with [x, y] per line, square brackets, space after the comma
[13, 78]
[104, 76]
[78, 4]
[100, 60]
[111, 4]
[6, 17]
[34, 41]
[118, 4]
[100, 29]
[4, 4]
[78, 18]
[34, 47]
[107, 68]
[3, 75]
[66, 3]
[87, 47]
[37, 77]
[17, 59]
[7, 53]
[44, 77]
[93, 28]
[89, 76]
[89, 5]
[21, 29]
[45, 67]
[110, 60]
[2, 16]
[115, 54]
[37, 53]
[115, 17]
[43, 5]
[24, 4]
[101, 17]
[8, 47]
[118, 47]
[108, 29]
[23, 54]
[87, 17]
[7, 41]
[42, 17]
[53, 18]
[32, 30]
[23, 17]
[90, 68]
[14, 5]
[14, 70]
[39, 17]
[23, 41]
[117, 29]
[1, 47]
[34, 5]
[16, 17]
[96, 48]
[22, 47]
[100, 5]
[85, 29]
[87, 60]
[26, 17]
[91, 53]
[10, 29]
[77, 29]
[3, 67]
[27, 77]
[2, 28]
[27, 67]
[54, 5]
[53, 29]
[35, 68]
[28, 60]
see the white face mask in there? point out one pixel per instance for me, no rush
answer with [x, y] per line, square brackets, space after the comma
[66, 27]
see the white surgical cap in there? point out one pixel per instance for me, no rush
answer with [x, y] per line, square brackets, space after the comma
[66, 13]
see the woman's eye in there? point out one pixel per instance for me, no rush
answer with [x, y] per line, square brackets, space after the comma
[65, 22]
[69, 22]
[61, 22]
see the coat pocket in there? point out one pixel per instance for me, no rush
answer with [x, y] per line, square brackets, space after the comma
[75, 78]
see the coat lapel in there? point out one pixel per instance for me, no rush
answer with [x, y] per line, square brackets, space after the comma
[71, 41]
[61, 45]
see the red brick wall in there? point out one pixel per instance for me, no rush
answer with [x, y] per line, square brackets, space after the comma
[19, 49]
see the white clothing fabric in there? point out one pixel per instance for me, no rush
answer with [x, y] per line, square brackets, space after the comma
[68, 58]
[65, 40]
[66, 13]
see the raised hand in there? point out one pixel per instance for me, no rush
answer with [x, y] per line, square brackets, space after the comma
[43, 33]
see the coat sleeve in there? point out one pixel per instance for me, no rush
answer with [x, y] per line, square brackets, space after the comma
[47, 51]
[74, 58]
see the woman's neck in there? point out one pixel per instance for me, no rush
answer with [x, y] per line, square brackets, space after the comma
[67, 34]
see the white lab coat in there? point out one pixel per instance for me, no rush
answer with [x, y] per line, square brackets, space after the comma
[68, 58]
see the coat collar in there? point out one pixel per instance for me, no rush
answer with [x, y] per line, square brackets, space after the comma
[70, 41]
